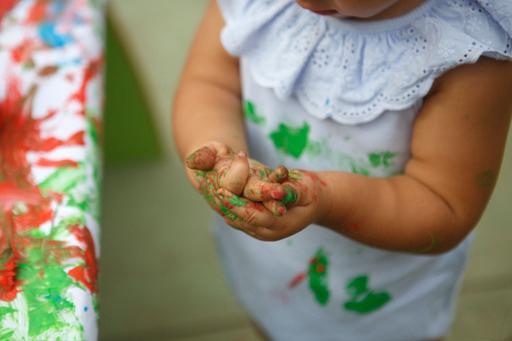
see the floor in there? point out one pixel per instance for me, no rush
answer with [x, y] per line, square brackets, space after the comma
[161, 279]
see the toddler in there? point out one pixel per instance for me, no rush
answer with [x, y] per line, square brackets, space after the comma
[390, 118]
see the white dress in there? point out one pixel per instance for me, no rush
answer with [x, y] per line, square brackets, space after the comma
[328, 94]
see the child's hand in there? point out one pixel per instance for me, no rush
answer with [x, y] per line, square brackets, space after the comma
[216, 167]
[307, 200]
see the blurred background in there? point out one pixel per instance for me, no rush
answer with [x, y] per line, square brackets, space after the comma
[160, 276]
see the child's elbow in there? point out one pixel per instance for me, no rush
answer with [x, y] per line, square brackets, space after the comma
[452, 235]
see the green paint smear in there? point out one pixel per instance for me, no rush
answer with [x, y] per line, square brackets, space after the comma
[382, 159]
[228, 213]
[5, 311]
[364, 300]
[44, 283]
[359, 170]
[317, 275]
[6, 334]
[64, 179]
[290, 196]
[291, 141]
[251, 114]
[237, 201]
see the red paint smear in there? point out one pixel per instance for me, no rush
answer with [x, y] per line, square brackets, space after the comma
[23, 51]
[10, 194]
[8, 283]
[34, 217]
[43, 162]
[49, 144]
[320, 268]
[19, 134]
[87, 274]
[297, 280]
[6, 6]
[90, 71]
[37, 12]
[314, 177]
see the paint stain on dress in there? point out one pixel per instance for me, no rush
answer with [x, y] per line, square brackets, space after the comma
[291, 140]
[317, 277]
[364, 300]
[381, 159]
[318, 271]
[251, 113]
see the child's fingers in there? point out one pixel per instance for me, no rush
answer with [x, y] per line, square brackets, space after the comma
[277, 208]
[279, 175]
[292, 195]
[260, 190]
[236, 176]
[202, 159]
[245, 211]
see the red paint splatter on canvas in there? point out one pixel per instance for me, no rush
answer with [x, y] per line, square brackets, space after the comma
[86, 274]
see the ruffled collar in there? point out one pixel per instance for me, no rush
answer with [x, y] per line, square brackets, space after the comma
[353, 71]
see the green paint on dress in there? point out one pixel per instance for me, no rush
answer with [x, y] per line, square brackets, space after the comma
[359, 170]
[291, 141]
[251, 114]
[317, 275]
[381, 159]
[364, 300]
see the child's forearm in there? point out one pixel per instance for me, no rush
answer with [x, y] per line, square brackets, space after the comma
[203, 112]
[207, 104]
[398, 213]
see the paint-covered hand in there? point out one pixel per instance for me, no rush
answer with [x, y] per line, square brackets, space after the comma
[216, 168]
[307, 201]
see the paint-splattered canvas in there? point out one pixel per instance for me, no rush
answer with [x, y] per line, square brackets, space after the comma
[51, 61]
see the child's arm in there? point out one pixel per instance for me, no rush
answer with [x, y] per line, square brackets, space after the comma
[457, 148]
[207, 114]
[207, 104]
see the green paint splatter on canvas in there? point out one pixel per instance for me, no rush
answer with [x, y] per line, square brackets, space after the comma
[364, 300]
[251, 114]
[291, 141]
[64, 179]
[45, 296]
[317, 274]
[6, 311]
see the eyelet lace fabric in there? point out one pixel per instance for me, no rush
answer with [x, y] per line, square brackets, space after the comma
[353, 71]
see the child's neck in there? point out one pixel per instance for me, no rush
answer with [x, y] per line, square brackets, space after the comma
[398, 9]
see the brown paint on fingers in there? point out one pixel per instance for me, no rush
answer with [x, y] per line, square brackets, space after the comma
[202, 159]
[279, 175]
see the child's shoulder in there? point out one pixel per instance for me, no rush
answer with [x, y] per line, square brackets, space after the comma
[353, 71]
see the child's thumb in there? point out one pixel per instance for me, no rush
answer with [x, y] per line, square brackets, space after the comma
[202, 159]
[236, 176]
